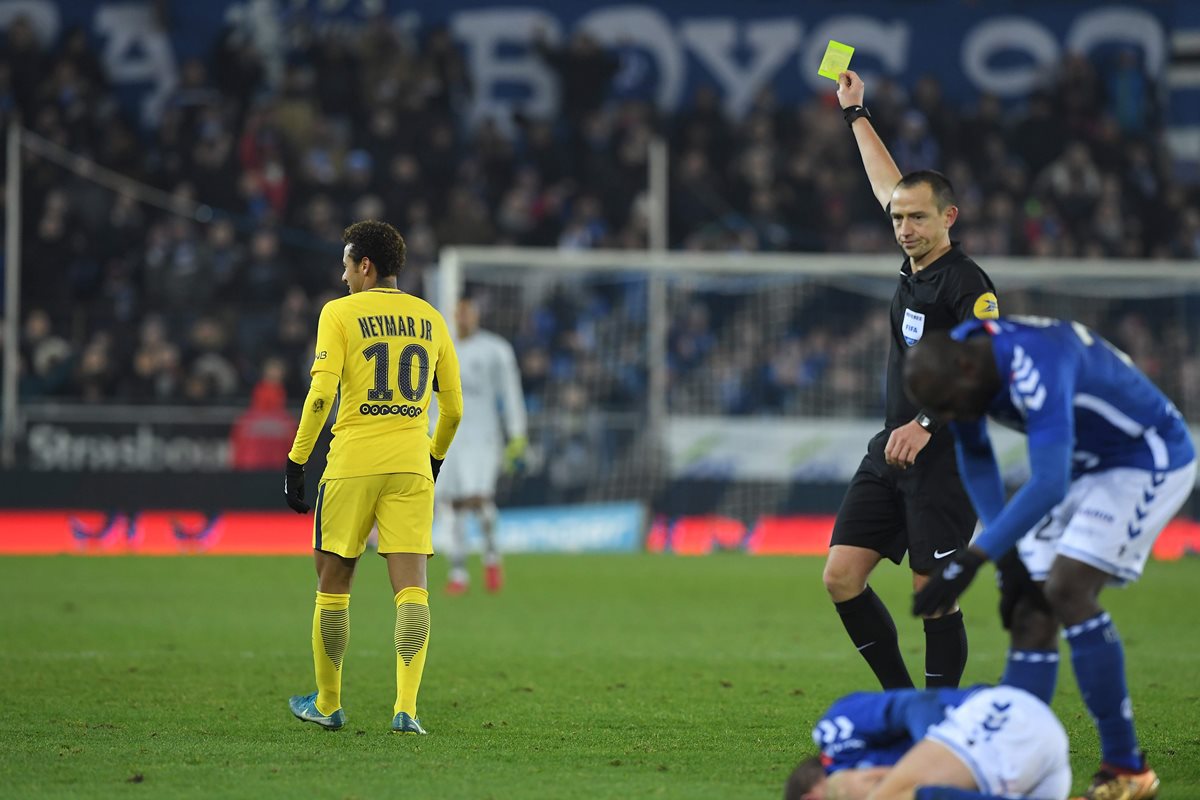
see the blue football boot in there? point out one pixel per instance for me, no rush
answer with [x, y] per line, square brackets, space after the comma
[304, 706]
[403, 723]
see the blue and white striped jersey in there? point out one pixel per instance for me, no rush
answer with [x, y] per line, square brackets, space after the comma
[1063, 380]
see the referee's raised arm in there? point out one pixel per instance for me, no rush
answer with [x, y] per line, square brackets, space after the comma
[881, 169]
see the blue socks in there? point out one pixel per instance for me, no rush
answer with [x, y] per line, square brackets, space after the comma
[950, 793]
[1099, 661]
[1035, 671]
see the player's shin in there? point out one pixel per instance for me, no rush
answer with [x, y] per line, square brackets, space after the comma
[1032, 662]
[873, 632]
[330, 633]
[412, 642]
[945, 650]
[1035, 671]
[1099, 661]
[487, 524]
[493, 573]
[456, 522]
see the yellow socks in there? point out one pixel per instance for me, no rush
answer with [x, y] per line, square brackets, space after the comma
[331, 630]
[412, 639]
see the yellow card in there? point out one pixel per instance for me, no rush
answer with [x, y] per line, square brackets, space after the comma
[836, 59]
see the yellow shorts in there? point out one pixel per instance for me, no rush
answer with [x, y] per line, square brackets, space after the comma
[401, 502]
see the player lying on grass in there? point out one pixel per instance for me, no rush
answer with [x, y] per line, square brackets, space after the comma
[937, 744]
[381, 353]
[1111, 461]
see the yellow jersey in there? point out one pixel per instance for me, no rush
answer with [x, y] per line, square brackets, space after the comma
[390, 351]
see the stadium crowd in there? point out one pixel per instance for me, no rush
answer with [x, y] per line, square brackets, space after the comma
[128, 303]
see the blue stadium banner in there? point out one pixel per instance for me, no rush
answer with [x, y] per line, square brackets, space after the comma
[667, 49]
[585, 528]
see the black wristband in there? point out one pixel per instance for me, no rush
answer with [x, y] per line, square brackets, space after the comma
[851, 113]
[927, 422]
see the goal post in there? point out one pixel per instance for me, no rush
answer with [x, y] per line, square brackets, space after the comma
[11, 426]
[771, 365]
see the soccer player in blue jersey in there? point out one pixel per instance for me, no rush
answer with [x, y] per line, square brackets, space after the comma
[1111, 462]
[936, 744]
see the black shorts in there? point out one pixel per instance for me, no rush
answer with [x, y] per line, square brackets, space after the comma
[923, 509]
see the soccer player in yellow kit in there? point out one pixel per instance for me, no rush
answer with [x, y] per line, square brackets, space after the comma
[381, 353]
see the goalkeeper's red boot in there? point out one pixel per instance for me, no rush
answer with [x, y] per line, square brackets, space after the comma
[457, 581]
[1114, 784]
[493, 577]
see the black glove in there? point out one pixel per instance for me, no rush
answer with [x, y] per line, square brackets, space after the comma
[943, 589]
[1015, 583]
[435, 465]
[293, 487]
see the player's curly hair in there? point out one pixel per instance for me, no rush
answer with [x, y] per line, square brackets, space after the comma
[379, 242]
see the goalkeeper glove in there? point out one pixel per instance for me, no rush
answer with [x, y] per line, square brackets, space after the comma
[293, 487]
[435, 466]
[941, 592]
[514, 454]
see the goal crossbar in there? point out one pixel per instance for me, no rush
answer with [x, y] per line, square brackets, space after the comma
[816, 264]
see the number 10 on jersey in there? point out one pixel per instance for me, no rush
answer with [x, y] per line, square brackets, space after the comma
[411, 382]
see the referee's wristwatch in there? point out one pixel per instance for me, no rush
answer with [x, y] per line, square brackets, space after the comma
[927, 422]
[851, 113]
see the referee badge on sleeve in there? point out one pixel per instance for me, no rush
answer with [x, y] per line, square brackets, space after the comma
[986, 306]
[914, 326]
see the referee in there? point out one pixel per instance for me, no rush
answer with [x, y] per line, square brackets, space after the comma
[907, 495]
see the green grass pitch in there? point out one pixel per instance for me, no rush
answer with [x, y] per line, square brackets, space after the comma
[589, 676]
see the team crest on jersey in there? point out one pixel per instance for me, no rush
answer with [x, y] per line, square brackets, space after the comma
[913, 327]
[987, 306]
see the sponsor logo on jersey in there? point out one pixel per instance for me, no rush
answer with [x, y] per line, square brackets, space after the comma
[987, 306]
[384, 410]
[1097, 513]
[913, 326]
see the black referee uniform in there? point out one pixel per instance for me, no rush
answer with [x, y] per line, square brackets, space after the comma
[924, 509]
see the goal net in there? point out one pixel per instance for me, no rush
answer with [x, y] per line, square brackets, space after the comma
[746, 385]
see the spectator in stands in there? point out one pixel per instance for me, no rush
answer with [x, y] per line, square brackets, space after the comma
[692, 340]
[45, 357]
[96, 375]
[157, 373]
[208, 359]
[26, 62]
[262, 435]
[1080, 170]
[1073, 183]
[584, 71]
[1037, 139]
[916, 147]
[576, 440]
